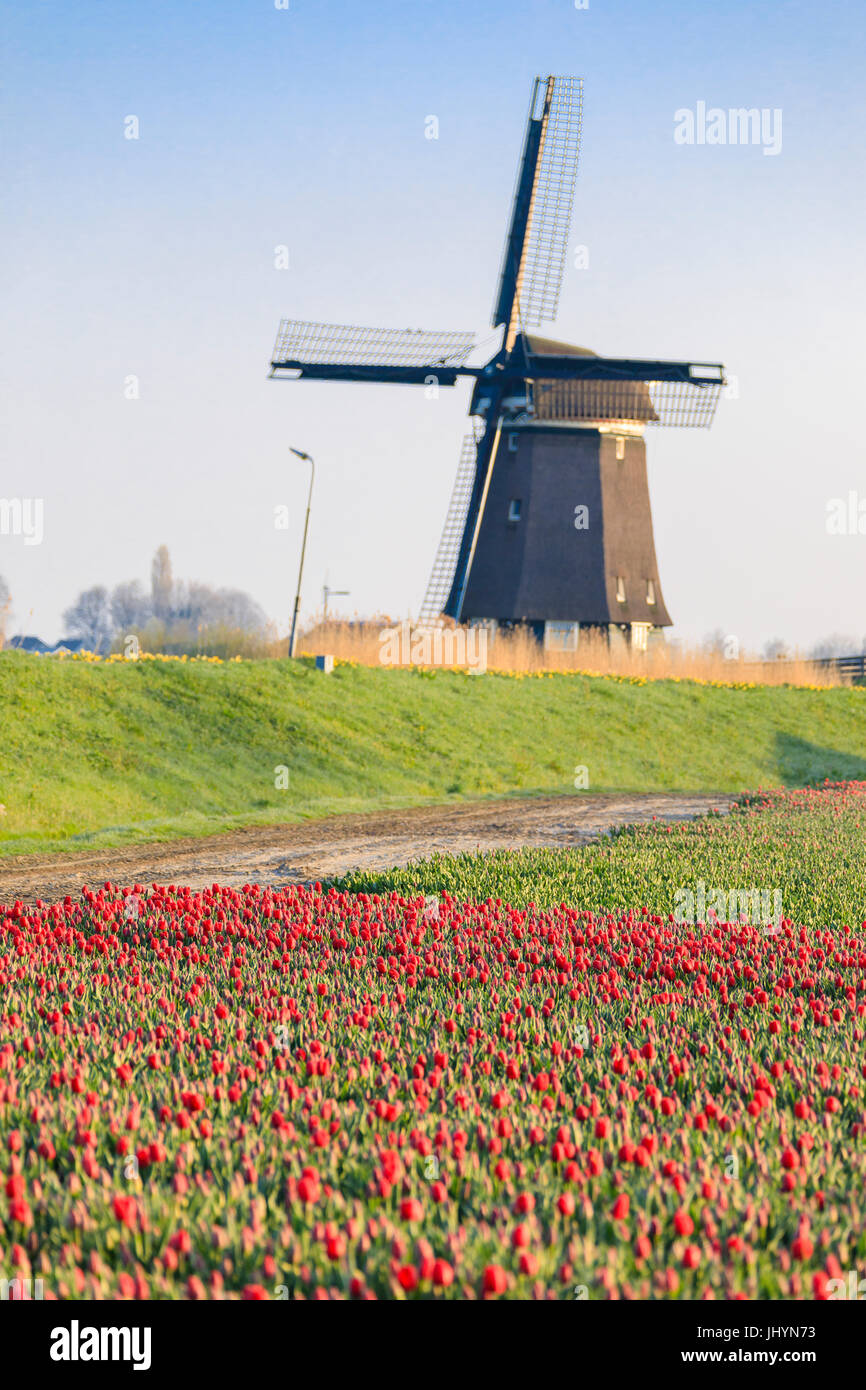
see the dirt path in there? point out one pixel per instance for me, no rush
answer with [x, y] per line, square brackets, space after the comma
[281, 854]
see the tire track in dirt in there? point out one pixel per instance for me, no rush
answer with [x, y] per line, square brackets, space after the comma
[280, 854]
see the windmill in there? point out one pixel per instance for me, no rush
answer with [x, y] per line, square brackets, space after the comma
[549, 522]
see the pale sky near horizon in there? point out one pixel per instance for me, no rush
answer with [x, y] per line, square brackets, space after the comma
[304, 127]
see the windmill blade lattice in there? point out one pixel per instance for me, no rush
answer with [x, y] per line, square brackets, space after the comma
[334, 344]
[552, 201]
[536, 246]
[669, 403]
[442, 573]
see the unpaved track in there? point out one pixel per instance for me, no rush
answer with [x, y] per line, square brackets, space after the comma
[281, 854]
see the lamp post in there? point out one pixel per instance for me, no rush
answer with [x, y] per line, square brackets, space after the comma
[328, 593]
[293, 635]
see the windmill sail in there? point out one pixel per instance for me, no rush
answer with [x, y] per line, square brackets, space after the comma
[669, 403]
[537, 242]
[335, 351]
[572, 384]
[442, 574]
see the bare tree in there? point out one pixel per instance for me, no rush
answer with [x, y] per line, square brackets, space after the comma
[162, 585]
[775, 650]
[131, 607]
[90, 618]
[236, 609]
[715, 642]
[837, 644]
[175, 616]
[200, 605]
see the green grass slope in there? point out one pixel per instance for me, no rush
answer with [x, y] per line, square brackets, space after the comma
[95, 753]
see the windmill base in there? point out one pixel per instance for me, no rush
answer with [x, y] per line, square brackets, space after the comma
[566, 535]
[564, 636]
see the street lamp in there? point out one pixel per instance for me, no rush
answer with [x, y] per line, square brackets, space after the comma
[328, 593]
[293, 636]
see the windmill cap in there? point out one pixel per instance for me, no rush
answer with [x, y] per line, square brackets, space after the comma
[549, 347]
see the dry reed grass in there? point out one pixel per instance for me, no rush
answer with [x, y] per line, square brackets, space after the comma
[518, 651]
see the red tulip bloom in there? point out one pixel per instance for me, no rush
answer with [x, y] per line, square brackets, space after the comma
[443, 1274]
[125, 1209]
[309, 1190]
[494, 1279]
[19, 1211]
[683, 1223]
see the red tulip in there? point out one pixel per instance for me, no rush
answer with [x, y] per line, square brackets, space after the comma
[494, 1279]
[443, 1274]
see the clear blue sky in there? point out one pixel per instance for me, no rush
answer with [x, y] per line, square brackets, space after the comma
[262, 127]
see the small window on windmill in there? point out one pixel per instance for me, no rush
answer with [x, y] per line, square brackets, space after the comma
[620, 589]
[650, 592]
[513, 441]
[515, 506]
[620, 446]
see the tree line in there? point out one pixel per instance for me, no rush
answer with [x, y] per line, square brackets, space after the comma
[172, 616]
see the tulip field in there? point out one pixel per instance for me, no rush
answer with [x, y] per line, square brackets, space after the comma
[512, 1077]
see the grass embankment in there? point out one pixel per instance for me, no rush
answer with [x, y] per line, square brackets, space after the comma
[100, 754]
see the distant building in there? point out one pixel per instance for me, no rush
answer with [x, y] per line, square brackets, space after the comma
[28, 644]
[70, 644]
[35, 644]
